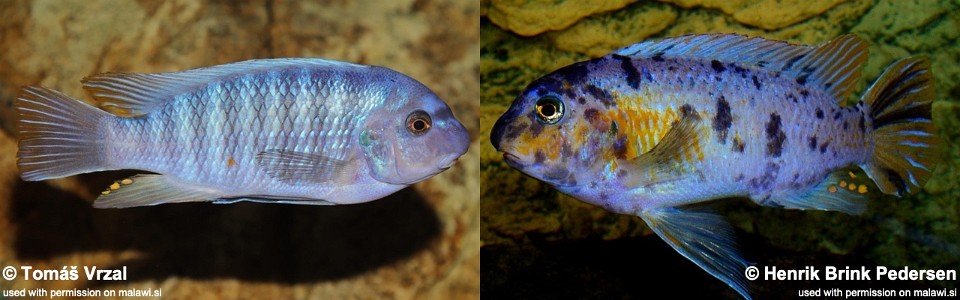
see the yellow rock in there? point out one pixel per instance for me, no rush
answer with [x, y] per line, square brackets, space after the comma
[600, 34]
[530, 18]
[765, 14]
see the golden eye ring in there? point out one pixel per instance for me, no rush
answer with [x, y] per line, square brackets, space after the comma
[418, 122]
[549, 110]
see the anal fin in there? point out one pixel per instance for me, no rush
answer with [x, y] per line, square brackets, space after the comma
[841, 191]
[704, 238]
[145, 190]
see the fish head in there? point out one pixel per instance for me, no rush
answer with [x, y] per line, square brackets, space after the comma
[413, 137]
[556, 131]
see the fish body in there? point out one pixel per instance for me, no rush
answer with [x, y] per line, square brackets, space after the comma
[307, 131]
[657, 126]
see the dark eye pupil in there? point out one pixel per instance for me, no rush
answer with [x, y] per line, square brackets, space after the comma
[418, 122]
[548, 110]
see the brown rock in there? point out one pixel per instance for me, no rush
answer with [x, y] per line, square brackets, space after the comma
[765, 14]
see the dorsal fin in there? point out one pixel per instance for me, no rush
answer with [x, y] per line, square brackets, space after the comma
[138, 94]
[833, 67]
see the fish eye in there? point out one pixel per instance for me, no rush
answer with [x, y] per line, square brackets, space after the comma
[418, 122]
[549, 110]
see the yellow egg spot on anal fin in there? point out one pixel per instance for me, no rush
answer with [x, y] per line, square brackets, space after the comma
[843, 184]
[853, 187]
[126, 181]
[854, 176]
[832, 189]
[107, 192]
[115, 186]
[863, 189]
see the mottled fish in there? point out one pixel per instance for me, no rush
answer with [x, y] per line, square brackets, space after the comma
[654, 127]
[304, 131]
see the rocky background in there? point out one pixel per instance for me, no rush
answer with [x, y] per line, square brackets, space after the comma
[422, 242]
[539, 243]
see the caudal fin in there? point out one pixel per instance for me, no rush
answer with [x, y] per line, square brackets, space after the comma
[905, 144]
[59, 136]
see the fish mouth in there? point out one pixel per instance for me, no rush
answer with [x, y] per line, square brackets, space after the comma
[448, 161]
[512, 160]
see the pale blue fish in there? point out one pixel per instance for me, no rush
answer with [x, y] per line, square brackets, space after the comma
[657, 126]
[304, 131]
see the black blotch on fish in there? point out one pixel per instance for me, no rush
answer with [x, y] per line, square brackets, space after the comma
[813, 143]
[897, 180]
[539, 157]
[802, 79]
[620, 147]
[592, 116]
[717, 66]
[723, 119]
[819, 113]
[739, 70]
[828, 85]
[845, 125]
[535, 126]
[658, 57]
[765, 180]
[804, 93]
[514, 130]
[775, 136]
[792, 61]
[739, 177]
[756, 82]
[581, 100]
[575, 74]
[836, 116]
[762, 63]
[738, 144]
[687, 111]
[600, 94]
[613, 128]
[566, 151]
[823, 147]
[791, 97]
[633, 76]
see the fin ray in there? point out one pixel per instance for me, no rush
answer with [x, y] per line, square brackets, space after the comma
[150, 189]
[905, 146]
[299, 167]
[704, 238]
[59, 136]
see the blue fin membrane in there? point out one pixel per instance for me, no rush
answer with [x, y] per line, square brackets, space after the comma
[702, 237]
[841, 191]
[905, 144]
[833, 66]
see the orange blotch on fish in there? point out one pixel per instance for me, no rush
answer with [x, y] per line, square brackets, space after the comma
[231, 162]
[843, 184]
[853, 187]
[832, 189]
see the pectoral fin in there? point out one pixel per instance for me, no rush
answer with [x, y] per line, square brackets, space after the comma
[704, 238]
[299, 168]
[670, 158]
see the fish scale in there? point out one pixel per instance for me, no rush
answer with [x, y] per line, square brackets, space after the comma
[306, 131]
[658, 127]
